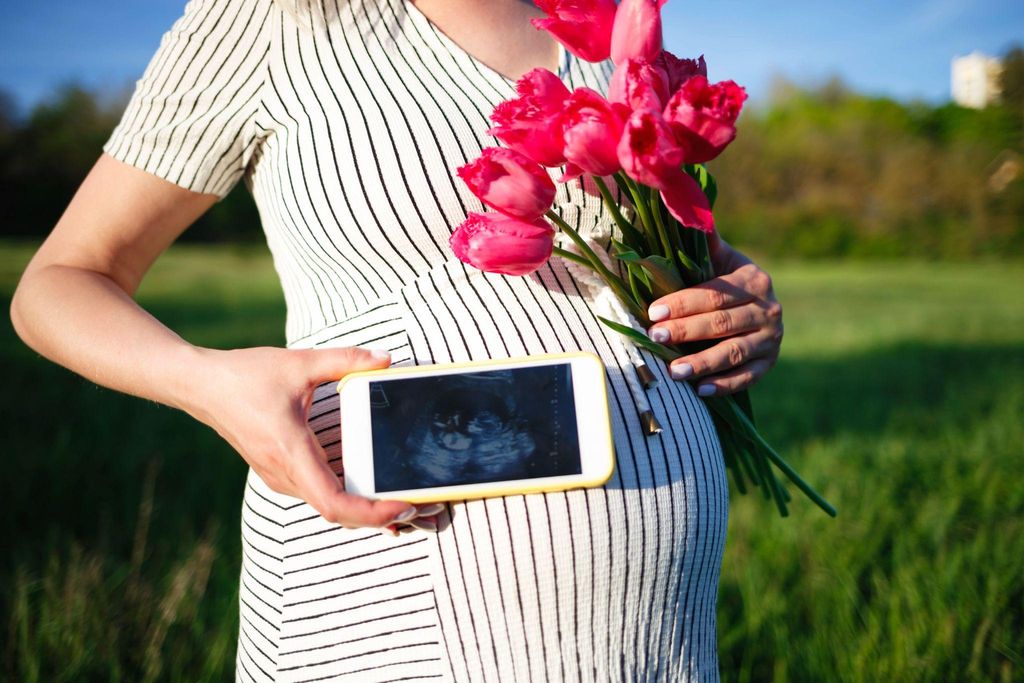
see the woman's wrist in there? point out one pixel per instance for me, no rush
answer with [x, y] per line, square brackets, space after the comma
[190, 377]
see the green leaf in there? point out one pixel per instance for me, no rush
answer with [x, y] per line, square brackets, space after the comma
[639, 282]
[661, 275]
[711, 190]
[624, 253]
[664, 275]
[699, 172]
[687, 262]
[642, 340]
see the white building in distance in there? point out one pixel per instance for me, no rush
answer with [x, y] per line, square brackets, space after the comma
[975, 80]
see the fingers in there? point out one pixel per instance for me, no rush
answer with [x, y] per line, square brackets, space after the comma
[709, 296]
[735, 380]
[327, 365]
[425, 520]
[726, 356]
[746, 283]
[724, 322]
[317, 484]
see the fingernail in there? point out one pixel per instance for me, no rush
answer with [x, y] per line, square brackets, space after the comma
[405, 516]
[658, 334]
[423, 524]
[380, 355]
[706, 390]
[681, 371]
[657, 312]
[428, 510]
[387, 531]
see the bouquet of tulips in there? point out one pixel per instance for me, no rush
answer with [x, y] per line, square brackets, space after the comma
[660, 122]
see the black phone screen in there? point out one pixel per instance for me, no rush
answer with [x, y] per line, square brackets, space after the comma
[474, 427]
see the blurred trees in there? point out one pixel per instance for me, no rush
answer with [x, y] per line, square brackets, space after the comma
[44, 158]
[1012, 79]
[828, 172]
[815, 172]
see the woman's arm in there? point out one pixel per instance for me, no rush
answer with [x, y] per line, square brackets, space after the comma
[74, 305]
[739, 307]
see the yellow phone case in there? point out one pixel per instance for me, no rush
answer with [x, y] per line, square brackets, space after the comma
[526, 360]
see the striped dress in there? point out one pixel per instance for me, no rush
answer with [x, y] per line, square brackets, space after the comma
[346, 121]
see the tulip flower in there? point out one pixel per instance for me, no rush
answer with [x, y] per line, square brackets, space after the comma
[639, 85]
[530, 124]
[510, 182]
[591, 128]
[680, 70]
[636, 32]
[496, 243]
[703, 117]
[584, 27]
[650, 155]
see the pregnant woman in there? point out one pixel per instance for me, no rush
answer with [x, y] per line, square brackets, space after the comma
[345, 119]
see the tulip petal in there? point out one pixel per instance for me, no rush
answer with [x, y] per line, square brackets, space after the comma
[583, 27]
[572, 172]
[687, 202]
[636, 32]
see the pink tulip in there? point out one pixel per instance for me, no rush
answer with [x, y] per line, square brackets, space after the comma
[647, 150]
[680, 70]
[530, 124]
[510, 182]
[584, 27]
[639, 85]
[636, 32]
[591, 128]
[496, 243]
[650, 155]
[703, 117]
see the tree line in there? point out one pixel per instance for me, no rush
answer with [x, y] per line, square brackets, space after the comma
[829, 172]
[815, 172]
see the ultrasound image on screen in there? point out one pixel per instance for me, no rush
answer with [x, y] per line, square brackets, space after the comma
[473, 428]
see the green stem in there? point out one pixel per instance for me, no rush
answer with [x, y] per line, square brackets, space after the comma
[640, 204]
[558, 251]
[613, 280]
[704, 255]
[633, 237]
[666, 243]
[623, 188]
[729, 406]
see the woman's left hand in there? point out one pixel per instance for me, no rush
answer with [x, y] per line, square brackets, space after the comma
[739, 307]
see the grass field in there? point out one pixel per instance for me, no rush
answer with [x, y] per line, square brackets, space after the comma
[900, 396]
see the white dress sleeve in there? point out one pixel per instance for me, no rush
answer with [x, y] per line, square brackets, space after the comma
[190, 118]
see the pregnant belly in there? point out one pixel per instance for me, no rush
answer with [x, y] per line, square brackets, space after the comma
[614, 582]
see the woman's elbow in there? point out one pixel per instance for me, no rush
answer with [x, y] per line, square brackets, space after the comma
[20, 309]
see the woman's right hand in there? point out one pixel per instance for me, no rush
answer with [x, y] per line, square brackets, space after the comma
[257, 399]
[74, 305]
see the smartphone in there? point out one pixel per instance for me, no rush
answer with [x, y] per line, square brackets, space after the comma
[471, 430]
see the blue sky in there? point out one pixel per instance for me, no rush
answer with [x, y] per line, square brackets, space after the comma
[902, 49]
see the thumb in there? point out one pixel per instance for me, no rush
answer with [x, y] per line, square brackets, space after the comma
[330, 365]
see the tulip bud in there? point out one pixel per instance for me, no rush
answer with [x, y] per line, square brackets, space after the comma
[510, 182]
[495, 243]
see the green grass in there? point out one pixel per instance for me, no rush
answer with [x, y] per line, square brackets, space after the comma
[899, 395]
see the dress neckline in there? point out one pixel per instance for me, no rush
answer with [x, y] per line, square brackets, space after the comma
[564, 56]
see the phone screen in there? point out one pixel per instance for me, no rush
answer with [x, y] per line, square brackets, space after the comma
[473, 428]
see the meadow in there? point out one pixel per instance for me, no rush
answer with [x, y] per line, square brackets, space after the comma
[899, 395]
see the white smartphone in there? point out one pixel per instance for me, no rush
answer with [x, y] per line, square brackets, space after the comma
[472, 430]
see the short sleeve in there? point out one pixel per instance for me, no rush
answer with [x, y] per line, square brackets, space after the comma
[190, 118]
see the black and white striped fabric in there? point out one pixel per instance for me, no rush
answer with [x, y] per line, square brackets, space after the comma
[346, 120]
